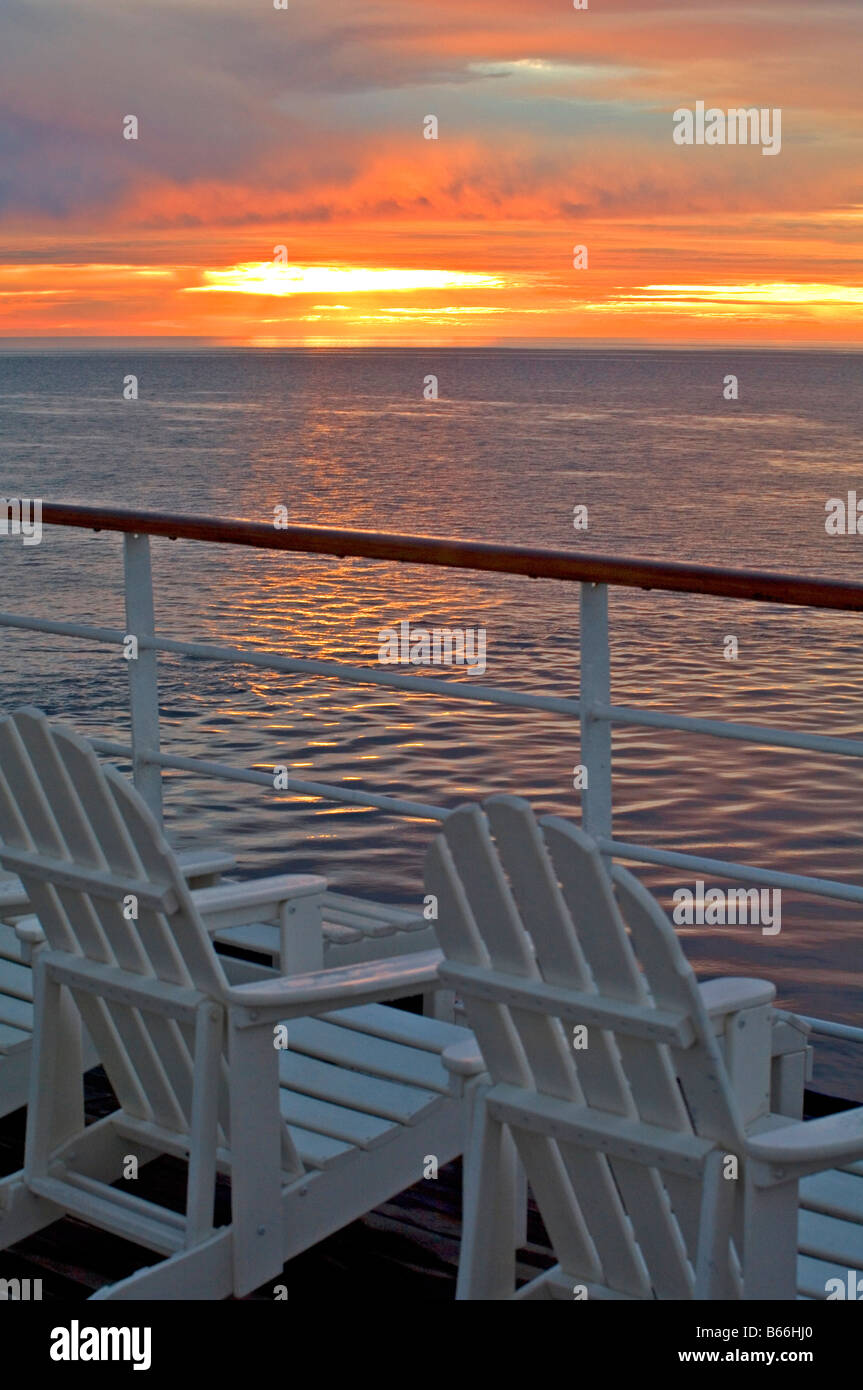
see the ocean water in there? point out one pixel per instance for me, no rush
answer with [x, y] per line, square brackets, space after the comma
[667, 468]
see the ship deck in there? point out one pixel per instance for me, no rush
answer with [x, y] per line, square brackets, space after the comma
[406, 1250]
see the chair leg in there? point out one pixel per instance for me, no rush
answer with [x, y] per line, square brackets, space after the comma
[520, 1204]
[440, 1004]
[487, 1263]
[712, 1265]
[55, 1108]
[770, 1217]
[301, 934]
[203, 1136]
[69, 1105]
[256, 1152]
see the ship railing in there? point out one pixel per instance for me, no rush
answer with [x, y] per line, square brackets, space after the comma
[593, 708]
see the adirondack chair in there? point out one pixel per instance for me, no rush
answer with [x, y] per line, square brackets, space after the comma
[653, 1177]
[312, 1135]
[21, 934]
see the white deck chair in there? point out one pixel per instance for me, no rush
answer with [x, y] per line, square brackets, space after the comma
[313, 1135]
[632, 1133]
[21, 934]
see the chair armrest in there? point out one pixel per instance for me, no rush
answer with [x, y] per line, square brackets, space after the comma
[193, 864]
[463, 1058]
[227, 905]
[732, 993]
[811, 1145]
[292, 900]
[254, 900]
[29, 932]
[202, 868]
[784, 1045]
[13, 898]
[319, 991]
[791, 1063]
[740, 1010]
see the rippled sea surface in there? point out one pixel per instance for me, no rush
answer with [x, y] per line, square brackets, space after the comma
[667, 468]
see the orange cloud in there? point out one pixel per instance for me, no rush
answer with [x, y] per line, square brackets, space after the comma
[305, 128]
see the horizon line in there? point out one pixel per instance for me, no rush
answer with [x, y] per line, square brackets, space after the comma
[177, 343]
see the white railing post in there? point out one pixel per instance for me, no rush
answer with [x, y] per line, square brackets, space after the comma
[143, 674]
[595, 693]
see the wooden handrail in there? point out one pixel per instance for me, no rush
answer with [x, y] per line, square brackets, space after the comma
[533, 561]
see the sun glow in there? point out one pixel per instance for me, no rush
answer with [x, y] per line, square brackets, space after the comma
[775, 300]
[773, 292]
[265, 277]
[779, 293]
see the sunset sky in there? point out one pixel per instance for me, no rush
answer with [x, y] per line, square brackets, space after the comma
[303, 128]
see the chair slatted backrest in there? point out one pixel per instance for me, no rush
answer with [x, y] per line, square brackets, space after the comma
[90, 856]
[529, 903]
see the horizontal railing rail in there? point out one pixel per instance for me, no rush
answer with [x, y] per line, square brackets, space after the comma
[593, 707]
[536, 562]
